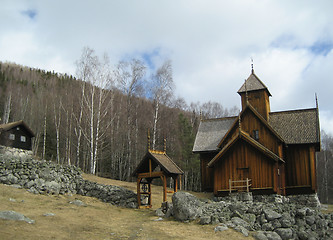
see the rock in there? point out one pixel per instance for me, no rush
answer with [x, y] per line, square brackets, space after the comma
[242, 230]
[11, 215]
[260, 236]
[159, 212]
[52, 187]
[272, 236]
[78, 203]
[48, 214]
[240, 222]
[204, 220]
[267, 227]
[271, 215]
[220, 228]
[310, 220]
[169, 211]
[186, 206]
[285, 233]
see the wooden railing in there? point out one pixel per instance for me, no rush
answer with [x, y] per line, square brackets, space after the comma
[240, 184]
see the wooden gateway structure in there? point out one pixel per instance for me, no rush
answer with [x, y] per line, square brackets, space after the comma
[266, 152]
[16, 135]
[155, 164]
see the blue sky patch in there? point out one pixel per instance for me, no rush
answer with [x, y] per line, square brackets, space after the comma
[30, 13]
[321, 48]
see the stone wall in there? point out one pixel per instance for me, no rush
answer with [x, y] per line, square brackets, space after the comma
[19, 168]
[264, 217]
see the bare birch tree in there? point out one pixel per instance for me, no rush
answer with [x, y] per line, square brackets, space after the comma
[162, 90]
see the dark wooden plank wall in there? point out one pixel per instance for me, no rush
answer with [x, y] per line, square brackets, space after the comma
[17, 143]
[234, 163]
[298, 166]
[207, 174]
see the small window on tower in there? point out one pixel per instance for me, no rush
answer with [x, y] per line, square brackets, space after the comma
[256, 134]
[23, 139]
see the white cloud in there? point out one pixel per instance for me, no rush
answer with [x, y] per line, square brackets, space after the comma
[209, 42]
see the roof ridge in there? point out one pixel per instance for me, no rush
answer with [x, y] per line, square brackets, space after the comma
[294, 110]
[217, 119]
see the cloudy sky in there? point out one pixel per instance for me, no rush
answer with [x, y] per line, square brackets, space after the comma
[210, 43]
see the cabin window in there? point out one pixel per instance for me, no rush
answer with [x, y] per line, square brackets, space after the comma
[18, 128]
[23, 139]
[11, 136]
[256, 134]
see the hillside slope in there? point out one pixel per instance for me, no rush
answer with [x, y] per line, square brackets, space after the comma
[96, 220]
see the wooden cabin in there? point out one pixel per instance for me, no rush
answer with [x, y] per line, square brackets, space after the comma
[260, 151]
[16, 135]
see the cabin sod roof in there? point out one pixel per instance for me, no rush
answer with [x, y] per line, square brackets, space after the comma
[8, 126]
[253, 83]
[297, 126]
[160, 159]
[211, 132]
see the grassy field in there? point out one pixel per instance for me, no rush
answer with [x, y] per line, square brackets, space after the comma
[96, 220]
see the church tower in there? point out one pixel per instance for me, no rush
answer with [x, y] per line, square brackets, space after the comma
[254, 92]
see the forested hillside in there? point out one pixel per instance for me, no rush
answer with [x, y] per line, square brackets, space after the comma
[99, 119]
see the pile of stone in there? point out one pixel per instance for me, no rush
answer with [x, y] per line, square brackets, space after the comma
[46, 177]
[271, 217]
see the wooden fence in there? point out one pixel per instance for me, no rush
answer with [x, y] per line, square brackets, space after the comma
[239, 184]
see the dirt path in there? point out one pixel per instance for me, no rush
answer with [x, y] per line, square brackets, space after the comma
[96, 220]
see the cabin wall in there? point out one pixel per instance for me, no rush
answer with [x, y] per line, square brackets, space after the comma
[18, 132]
[207, 174]
[240, 162]
[300, 169]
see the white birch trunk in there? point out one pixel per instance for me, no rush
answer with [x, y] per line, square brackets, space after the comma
[155, 123]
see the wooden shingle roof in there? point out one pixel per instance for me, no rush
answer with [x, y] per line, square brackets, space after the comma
[297, 126]
[253, 83]
[161, 159]
[211, 132]
[294, 127]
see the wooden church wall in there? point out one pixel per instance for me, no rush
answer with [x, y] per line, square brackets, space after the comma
[241, 162]
[259, 100]
[300, 167]
[207, 174]
[250, 122]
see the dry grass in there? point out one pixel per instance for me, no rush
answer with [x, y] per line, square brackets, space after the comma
[97, 220]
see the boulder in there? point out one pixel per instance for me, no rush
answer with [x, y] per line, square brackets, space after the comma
[272, 236]
[186, 206]
[221, 228]
[271, 214]
[285, 233]
[11, 215]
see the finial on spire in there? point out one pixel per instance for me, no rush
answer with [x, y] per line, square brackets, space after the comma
[316, 100]
[252, 65]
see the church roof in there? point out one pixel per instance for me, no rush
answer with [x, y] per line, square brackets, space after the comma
[294, 127]
[297, 126]
[253, 83]
[210, 133]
